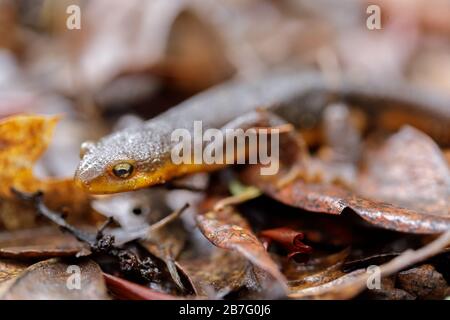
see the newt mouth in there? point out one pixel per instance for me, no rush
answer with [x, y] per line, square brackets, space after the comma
[105, 184]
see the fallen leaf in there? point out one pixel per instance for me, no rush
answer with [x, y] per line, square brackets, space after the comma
[186, 47]
[349, 285]
[429, 174]
[133, 209]
[424, 282]
[209, 280]
[410, 171]
[10, 269]
[291, 240]
[24, 138]
[166, 243]
[315, 272]
[387, 291]
[124, 289]
[40, 243]
[227, 229]
[10, 220]
[48, 280]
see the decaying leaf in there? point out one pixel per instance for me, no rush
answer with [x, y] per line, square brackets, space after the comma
[388, 291]
[316, 272]
[51, 279]
[419, 155]
[11, 220]
[123, 289]
[39, 243]
[349, 285]
[10, 269]
[410, 171]
[291, 240]
[167, 243]
[424, 282]
[208, 280]
[227, 229]
[24, 138]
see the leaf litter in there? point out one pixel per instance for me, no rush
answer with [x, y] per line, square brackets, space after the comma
[235, 243]
[363, 191]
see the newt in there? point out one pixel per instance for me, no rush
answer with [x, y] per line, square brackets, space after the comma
[140, 157]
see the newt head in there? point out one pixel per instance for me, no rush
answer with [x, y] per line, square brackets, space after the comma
[124, 161]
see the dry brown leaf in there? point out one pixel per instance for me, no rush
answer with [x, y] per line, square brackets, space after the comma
[39, 243]
[227, 229]
[216, 274]
[167, 243]
[410, 171]
[316, 272]
[123, 289]
[48, 280]
[423, 282]
[290, 240]
[424, 173]
[349, 285]
[10, 269]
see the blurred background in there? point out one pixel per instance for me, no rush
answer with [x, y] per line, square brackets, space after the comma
[134, 59]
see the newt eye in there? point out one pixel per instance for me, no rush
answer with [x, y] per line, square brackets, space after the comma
[123, 170]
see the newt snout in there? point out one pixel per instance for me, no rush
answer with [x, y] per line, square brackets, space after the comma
[122, 162]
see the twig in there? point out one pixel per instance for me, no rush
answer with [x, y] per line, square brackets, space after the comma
[38, 200]
[106, 224]
[168, 219]
[99, 242]
[349, 288]
[248, 194]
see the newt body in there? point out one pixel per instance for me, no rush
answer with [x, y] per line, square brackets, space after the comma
[140, 157]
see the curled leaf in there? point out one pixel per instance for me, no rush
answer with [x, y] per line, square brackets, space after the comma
[291, 240]
[417, 188]
[227, 229]
[124, 289]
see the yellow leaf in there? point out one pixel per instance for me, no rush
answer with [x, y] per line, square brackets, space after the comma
[23, 139]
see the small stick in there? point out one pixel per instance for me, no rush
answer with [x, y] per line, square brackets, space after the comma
[99, 243]
[171, 217]
[37, 199]
[103, 227]
[248, 194]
